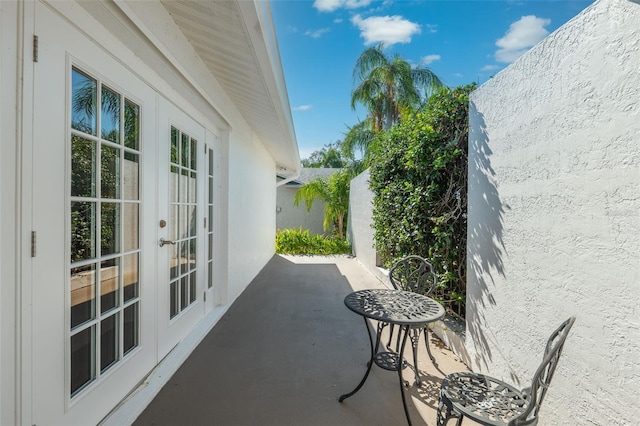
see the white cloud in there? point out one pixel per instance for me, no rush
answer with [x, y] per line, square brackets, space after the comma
[388, 30]
[316, 33]
[426, 60]
[331, 5]
[457, 75]
[521, 36]
[432, 28]
[489, 68]
[302, 108]
[338, 21]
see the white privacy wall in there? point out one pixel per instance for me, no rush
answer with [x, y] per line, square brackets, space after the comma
[288, 216]
[360, 230]
[252, 209]
[554, 217]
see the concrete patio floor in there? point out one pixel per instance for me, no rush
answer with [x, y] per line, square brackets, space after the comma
[287, 349]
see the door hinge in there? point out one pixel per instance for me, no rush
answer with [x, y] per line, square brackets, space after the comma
[205, 296]
[205, 223]
[33, 243]
[35, 48]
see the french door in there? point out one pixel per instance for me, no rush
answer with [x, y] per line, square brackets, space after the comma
[182, 176]
[120, 211]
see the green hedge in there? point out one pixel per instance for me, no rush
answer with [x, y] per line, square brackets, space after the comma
[419, 180]
[297, 241]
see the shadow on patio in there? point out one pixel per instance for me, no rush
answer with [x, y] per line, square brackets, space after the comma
[286, 350]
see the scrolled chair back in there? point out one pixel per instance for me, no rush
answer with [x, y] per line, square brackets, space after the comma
[542, 378]
[413, 273]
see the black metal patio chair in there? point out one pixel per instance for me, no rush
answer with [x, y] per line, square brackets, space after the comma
[490, 401]
[415, 274]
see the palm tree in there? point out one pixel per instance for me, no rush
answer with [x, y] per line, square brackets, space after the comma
[334, 191]
[389, 86]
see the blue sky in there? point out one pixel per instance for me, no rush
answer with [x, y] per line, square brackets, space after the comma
[461, 41]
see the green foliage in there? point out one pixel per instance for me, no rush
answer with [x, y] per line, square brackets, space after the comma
[330, 156]
[334, 191]
[419, 178]
[297, 241]
[387, 86]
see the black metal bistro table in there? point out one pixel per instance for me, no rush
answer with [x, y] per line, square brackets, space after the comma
[408, 310]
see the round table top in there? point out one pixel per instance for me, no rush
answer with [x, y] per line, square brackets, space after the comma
[395, 306]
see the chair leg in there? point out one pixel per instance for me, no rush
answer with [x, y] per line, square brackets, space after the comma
[446, 412]
[390, 335]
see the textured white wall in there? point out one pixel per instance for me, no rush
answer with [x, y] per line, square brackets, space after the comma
[360, 232]
[360, 224]
[554, 222]
[290, 216]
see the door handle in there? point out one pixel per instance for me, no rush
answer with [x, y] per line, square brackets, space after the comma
[164, 242]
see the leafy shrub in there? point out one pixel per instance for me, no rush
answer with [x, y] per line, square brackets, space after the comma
[419, 180]
[297, 241]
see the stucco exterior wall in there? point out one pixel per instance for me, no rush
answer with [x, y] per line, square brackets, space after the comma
[360, 224]
[289, 216]
[554, 217]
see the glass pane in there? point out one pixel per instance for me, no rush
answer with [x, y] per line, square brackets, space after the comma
[210, 221]
[83, 293]
[175, 261]
[193, 191]
[192, 253]
[184, 254]
[84, 93]
[174, 217]
[110, 228]
[110, 172]
[183, 222]
[185, 150]
[210, 246]
[210, 190]
[131, 125]
[131, 172]
[173, 303]
[82, 359]
[108, 342]
[184, 186]
[175, 136]
[174, 178]
[110, 115]
[184, 292]
[109, 285]
[192, 287]
[194, 150]
[130, 226]
[210, 162]
[83, 237]
[193, 220]
[210, 277]
[130, 329]
[83, 167]
[130, 276]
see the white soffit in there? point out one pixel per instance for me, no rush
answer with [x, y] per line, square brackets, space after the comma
[236, 41]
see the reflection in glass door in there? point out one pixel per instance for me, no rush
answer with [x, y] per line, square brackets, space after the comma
[183, 191]
[105, 223]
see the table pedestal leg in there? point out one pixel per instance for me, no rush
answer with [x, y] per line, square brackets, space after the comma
[426, 342]
[370, 363]
[404, 399]
[415, 339]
